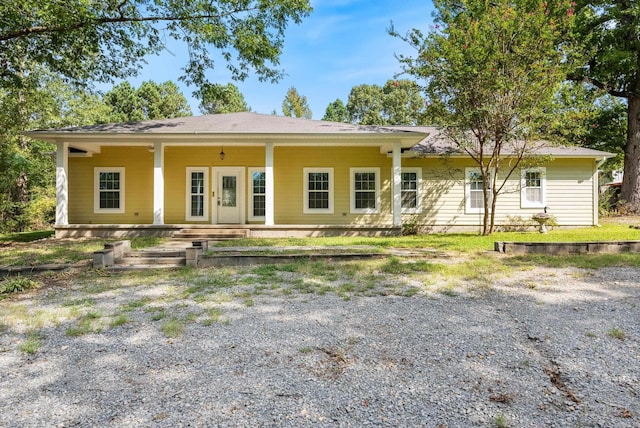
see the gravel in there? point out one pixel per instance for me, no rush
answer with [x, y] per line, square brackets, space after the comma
[534, 350]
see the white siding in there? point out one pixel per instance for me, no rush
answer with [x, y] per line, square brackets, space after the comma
[569, 193]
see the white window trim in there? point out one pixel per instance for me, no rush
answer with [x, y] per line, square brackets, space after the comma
[467, 190]
[96, 190]
[524, 202]
[206, 199]
[418, 208]
[352, 193]
[251, 171]
[305, 189]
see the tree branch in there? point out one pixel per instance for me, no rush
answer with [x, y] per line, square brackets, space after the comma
[598, 84]
[111, 20]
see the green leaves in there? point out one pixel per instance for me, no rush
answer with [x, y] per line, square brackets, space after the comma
[149, 102]
[101, 41]
[296, 105]
[219, 98]
[492, 69]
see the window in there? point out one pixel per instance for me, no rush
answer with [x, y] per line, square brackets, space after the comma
[108, 190]
[318, 191]
[473, 195]
[533, 184]
[197, 194]
[257, 197]
[365, 190]
[410, 185]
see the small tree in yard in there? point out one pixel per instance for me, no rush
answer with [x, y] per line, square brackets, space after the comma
[491, 70]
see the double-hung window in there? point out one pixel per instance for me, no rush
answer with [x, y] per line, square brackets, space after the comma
[410, 186]
[474, 196]
[533, 188]
[318, 190]
[197, 194]
[108, 190]
[257, 197]
[365, 190]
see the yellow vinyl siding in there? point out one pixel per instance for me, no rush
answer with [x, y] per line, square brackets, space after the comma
[289, 163]
[569, 186]
[176, 161]
[138, 192]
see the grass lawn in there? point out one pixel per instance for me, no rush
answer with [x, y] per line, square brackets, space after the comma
[34, 248]
[611, 230]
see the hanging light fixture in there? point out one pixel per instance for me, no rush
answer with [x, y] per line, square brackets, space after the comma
[222, 155]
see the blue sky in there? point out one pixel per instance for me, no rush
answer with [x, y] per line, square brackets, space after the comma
[342, 44]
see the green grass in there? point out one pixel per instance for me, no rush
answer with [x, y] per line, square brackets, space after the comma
[57, 250]
[32, 343]
[118, 321]
[83, 325]
[461, 242]
[173, 327]
[617, 333]
[26, 236]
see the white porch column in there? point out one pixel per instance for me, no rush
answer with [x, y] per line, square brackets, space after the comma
[62, 184]
[158, 183]
[269, 214]
[397, 191]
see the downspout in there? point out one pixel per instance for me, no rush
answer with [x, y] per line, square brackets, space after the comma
[596, 191]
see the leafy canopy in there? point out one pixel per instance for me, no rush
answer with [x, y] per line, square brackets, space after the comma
[148, 102]
[296, 105]
[105, 40]
[491, 70]
[610, 35]
[219, 98]
[399, 102]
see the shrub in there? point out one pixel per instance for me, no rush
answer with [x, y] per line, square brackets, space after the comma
[41, 211]
[410, 225]
[16, 284]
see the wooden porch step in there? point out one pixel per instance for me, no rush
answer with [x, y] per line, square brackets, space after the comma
[210, 234]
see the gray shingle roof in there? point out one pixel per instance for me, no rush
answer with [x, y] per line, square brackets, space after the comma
[231, 123]
[431, 140]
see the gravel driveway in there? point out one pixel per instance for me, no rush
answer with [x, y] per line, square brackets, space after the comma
[554, 348]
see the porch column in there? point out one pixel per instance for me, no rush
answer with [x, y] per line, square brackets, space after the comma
[158, 183]
[62, 184]
[397, 191]
[269, 214]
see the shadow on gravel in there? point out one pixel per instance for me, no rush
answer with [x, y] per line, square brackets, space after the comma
[533, 352]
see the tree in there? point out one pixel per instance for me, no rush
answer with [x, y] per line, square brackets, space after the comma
[150, 101]
[403, 104]
[106, 40]
[27, 194]
[295, 105]
[219, 98]
[365, 105]
[491, 70]
[610, 31]
[336, 112]
[585, 115]
[399, 102]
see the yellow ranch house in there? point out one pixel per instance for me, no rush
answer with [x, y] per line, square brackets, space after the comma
[280, 176]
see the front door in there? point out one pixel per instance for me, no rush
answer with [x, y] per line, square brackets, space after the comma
[228, 196]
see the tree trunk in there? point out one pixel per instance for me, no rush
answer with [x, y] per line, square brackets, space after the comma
[630, 193]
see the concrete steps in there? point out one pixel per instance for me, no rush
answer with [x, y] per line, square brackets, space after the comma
[153, 258]
[215, 234]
